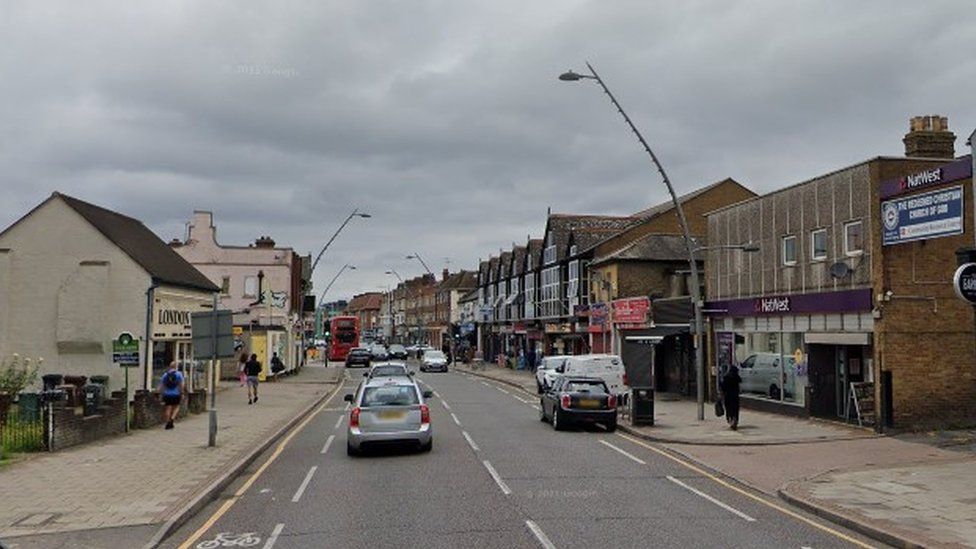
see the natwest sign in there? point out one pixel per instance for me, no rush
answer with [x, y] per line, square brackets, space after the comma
[772, 305]
[631, 310]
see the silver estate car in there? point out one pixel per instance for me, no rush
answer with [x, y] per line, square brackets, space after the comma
[387, 411]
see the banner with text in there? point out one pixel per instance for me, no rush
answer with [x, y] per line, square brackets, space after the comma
[922, 216]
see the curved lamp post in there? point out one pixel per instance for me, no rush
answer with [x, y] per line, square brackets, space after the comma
[336, 277]
[426, 268]
[355, 213]
[571, 76]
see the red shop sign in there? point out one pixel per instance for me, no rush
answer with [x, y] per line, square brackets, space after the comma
[631, 310]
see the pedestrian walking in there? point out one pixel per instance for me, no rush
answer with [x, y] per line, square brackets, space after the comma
[730, 395]
[252, 369]
[240, 368]
[171, 386]
[276, 364]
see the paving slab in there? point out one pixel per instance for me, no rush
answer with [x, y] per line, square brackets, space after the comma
[148, 475]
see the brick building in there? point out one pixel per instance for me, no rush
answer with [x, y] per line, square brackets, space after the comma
[367, 307]
[852, 285]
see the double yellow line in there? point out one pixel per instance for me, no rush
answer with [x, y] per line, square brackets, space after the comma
[250, 481]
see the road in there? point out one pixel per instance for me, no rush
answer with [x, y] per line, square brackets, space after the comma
[497, 477]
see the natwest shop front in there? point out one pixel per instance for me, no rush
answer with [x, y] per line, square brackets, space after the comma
[796, 353]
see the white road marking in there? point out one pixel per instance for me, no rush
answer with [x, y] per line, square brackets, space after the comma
[456, 420]
[498, 480]
[485, 383]
[727, 507]
[339, 422]
[503, 390]
[446, 405]
[436, 394]
[536, 406]
[328, 443]
[274, 536]
[624, 452]
[520, 399]
[540, 535]
[301, 489]
[346, 407]
[470, 441]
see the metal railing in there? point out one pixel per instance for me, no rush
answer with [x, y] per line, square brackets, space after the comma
[22, 428]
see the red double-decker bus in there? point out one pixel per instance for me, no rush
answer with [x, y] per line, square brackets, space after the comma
[343, 335]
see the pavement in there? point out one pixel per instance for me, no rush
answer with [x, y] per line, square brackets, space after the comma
[914, 490]
[496, 477]
[120, 491]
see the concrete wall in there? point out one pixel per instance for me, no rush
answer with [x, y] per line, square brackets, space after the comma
[67, 292]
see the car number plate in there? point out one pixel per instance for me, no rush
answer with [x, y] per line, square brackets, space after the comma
[589, 403]
[392, 414]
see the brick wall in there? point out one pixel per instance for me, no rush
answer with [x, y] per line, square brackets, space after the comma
[72, 428]
[147, 408]
[925, 336]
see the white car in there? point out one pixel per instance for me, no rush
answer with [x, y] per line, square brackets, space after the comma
[761, 374]
[433, 361]
[546, 373]
[609, 368]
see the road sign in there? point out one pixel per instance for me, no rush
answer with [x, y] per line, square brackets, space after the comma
[125, 350]
[203, 336]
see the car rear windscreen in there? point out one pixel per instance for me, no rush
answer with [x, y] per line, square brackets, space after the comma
[585, 387]
[390, 395]
[389, 371]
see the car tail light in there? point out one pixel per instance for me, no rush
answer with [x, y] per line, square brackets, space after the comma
[612, 402]
[625, 379]
[354, 417]
[424, 414]
[564, 400]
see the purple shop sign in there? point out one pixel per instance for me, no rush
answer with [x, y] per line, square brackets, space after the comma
[847, 301]
[960, 169]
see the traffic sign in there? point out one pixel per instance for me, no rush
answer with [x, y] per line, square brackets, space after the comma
[125, 350]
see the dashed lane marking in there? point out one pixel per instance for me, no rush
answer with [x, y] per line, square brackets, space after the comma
[328, 443]
[274, 536]
[624, 452]
[544, 540]
[456, 420]
[470, 441]
[446, 405]
[725, 506]
[339, 422]
[498, 479]
[301, 489]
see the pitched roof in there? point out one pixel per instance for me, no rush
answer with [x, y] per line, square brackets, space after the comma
[561, 225]
[461, 280]
[365, 302]
[470, 296]
[518, 260]
[535, 251]
[668, 205]
[142, 245]
[492, 268]
[652, 247]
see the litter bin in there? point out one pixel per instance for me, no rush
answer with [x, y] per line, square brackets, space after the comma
[30, 406]
[51, 381]
[642, 406]
[103, 381]
[93, 398]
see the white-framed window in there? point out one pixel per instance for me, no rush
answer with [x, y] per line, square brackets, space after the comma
[818, 244]
[549, 254]
[550, 291]
[528, 262]
[585, 282]
[250, 286]
[853, 238]
[225, 285]
[572, 250]
[529, 284]
[572, 287]
[789, 250]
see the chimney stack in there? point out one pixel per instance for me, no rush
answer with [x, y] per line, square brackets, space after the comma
[264, 242]
[929, 137]
[444, 274]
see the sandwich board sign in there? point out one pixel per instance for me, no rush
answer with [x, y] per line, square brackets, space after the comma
[125, 350]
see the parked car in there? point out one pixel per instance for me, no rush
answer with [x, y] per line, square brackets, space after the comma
[398, 352]
[379, 352]
[575, 399]
[358, 356]
[760, 373]
[546, 373]
[609, 368]
[388, 369]
[388, 410]
[433, 361]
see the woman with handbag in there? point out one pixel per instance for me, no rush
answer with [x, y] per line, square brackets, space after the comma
[730, 395]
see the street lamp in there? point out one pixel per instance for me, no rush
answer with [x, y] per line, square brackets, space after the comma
[426, 268]
[396, 274]
[355, 213]
[571, 76]
[336, 277]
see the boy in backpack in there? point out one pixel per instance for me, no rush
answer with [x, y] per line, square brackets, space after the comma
[252, 369]
[171, 386]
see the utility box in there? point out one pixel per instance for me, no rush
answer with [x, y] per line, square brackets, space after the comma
[93, 398]
[642, 406]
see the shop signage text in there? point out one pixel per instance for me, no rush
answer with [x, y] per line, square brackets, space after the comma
[964, 282]
[955, 171]
[171, 316]
[631, 311]
[767, 305]
[559, 329]
[922, 216]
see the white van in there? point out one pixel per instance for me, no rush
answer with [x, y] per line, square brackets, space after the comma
[609, 368]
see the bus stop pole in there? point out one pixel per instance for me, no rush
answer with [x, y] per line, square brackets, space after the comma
[212, 439]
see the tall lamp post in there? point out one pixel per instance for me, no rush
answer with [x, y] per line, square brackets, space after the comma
[426, 268]
[571, 76]
[331, 282]
[392, 297]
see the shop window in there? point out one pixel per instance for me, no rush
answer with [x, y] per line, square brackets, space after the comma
[853, 238]
[818, 245]
[789, 250]
[772, 366]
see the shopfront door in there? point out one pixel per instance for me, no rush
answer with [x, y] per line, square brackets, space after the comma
[822, 370]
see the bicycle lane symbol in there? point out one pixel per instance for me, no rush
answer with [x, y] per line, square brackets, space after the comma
[226, 539]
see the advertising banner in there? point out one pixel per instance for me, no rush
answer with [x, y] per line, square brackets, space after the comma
[631, 310]
[922, 216]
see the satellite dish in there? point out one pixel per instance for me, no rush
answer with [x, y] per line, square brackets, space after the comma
[840, 269]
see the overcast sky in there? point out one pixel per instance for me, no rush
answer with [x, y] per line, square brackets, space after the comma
[444, 119]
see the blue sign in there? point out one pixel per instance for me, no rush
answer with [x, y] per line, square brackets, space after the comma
[922, 216]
